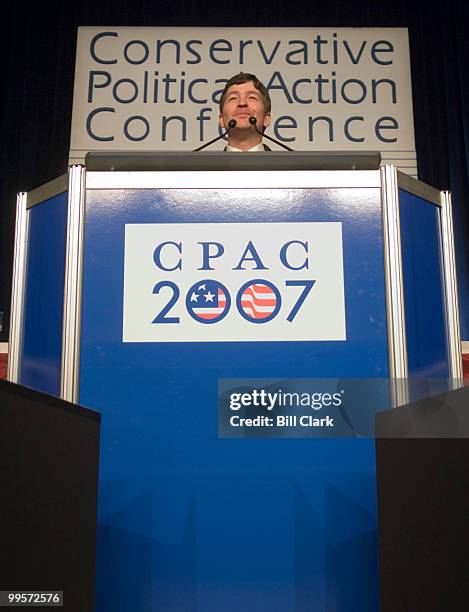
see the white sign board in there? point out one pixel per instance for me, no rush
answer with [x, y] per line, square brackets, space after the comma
[156, 89]
[233, 282]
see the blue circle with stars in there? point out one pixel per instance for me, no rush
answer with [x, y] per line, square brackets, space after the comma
[208, 301]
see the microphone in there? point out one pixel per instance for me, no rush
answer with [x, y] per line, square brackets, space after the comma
[253, 122]
[231, 125]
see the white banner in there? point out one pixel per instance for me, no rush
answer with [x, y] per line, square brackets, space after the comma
[225, 282]
[158, 88]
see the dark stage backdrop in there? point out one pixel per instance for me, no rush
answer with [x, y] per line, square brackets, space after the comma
[37, 65]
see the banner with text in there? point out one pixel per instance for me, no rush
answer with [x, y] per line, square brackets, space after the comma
[141, 89]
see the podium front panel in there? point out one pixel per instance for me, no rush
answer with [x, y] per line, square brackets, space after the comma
[189, 520]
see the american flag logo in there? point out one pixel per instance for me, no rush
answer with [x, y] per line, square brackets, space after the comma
[259, 301]
[208, 301]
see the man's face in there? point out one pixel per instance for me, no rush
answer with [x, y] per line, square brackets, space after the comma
[241, 102]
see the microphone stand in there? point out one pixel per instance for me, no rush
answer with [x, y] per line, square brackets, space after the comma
[253, 122]
[231, 125]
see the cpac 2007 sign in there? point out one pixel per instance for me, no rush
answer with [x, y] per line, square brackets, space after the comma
[233, 282]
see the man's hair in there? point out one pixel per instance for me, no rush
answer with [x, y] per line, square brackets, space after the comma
[245, 77]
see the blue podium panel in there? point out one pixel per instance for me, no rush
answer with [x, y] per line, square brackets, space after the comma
[44, 286]
[188, 520]
[427, 349]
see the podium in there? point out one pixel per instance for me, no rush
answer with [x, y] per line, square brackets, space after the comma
[49, 451]
[316, 274]
[421, 456]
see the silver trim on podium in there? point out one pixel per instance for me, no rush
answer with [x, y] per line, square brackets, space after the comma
[395, 313]
[422, 190]
[451, 291]
[47, 191]
[18, 287]
[73, 285]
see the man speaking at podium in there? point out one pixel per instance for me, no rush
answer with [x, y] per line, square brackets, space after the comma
[245, 112]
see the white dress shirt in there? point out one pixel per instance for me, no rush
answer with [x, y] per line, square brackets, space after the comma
[258, 147]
